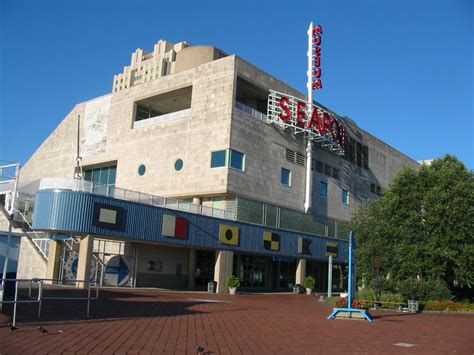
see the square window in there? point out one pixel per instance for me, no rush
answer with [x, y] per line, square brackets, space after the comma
[323, 189]
[237, 160]
[285, 177]
[345, 197]
[218, 158]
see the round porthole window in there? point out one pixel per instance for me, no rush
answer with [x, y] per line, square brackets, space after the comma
[141, 170]
[178, 165]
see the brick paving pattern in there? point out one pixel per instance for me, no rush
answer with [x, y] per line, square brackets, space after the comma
[149, 322]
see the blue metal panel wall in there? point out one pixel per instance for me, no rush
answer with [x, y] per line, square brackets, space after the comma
[72, 212]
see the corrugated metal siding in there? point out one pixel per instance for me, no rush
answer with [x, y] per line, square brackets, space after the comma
[73, 212]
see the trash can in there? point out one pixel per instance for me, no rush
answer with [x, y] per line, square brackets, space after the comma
[212, 286]
[412, 306]
[298, 289]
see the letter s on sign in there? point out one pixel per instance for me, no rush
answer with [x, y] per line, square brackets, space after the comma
[286, 114]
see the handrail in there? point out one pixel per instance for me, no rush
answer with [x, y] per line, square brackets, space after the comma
[39, 299]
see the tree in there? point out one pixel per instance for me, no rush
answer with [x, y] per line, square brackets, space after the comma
[422, 227]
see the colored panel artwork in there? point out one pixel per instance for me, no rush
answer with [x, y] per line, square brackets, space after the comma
[109, 217]
[271, 241]
[304, 245]
[95, 126]
[228, 234]
[174, 227]
[117, 271]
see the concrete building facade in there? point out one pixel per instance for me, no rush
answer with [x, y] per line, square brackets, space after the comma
[189, 124]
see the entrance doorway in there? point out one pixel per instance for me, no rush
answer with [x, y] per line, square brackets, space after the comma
[205, 261]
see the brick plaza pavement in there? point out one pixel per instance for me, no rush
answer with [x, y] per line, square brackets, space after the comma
[149, 321]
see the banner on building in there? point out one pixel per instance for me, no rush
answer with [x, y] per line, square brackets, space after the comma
[271, 241]
[228, 234]
[174, 227]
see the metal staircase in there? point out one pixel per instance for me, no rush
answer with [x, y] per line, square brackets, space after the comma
[38, 239]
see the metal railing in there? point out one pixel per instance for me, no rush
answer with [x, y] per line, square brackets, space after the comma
[162, 118]
[39, 241]
[40, 297]
[251, 111]
[134, 196]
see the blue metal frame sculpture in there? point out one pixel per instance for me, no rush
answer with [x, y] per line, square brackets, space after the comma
[349, 308]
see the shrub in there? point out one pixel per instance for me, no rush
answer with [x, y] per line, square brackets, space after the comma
[424, 289]
[309, 282]
[391, 297]
[233, 281]
[448, 306]
[367, 295]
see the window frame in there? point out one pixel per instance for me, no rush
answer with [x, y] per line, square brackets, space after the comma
[323, 183]
[347, 194]
[281, 177]
[225, 158]
[229, 155]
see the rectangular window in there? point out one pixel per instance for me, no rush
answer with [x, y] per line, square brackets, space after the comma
[323, 189]
[345, 197]
[359, 154]
[163, 104]
[237, 160]
[218, 158]
[104, 175]
[365, 157]
[285, 177]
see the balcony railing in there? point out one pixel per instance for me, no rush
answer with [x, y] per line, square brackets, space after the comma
[135, 196]
[162, 118]
[252, 112]
[240, 209]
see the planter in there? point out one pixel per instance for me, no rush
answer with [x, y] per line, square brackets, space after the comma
[350, 315]
[308, 291]
[232, 290]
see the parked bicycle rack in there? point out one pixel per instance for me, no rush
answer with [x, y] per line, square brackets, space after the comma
[40, 297]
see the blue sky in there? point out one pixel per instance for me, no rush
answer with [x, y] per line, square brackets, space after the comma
[403, 70]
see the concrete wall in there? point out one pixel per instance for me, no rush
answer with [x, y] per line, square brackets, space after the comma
[157, 146]
[264, 147]
[166, 260]
[30, 263]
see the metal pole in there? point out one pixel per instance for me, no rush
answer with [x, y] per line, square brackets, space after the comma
[378, 287]
[330, 276]
[40, 297]
[88, 298]
[309, 147]
[14, 305]
[349, 286]
[5, 264]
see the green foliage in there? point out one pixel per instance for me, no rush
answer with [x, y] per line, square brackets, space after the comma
[233, 281]
[330, 301]
[422, 227]
[449, 306]
[369, 296]
[424, 289]
[391, 300]
[309, 282]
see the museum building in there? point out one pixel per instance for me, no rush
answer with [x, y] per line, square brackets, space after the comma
[190, 171]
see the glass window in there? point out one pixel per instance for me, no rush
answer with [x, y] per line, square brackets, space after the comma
[141, 170]
[285, 177]
[104, 175]
[178, 165]
[218, 158]
[345, 197]
[323, 189]
[237, 160]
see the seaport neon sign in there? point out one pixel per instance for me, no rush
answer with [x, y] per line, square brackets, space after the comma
[315, 123]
